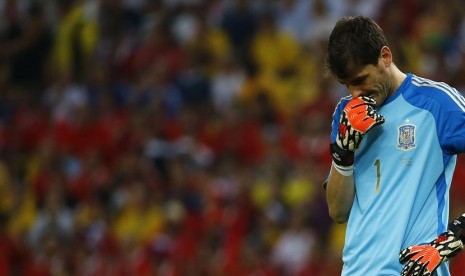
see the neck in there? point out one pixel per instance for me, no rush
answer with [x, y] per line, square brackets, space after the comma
[397, 76]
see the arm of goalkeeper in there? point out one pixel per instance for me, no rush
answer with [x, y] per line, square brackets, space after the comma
[358, 117]
[426, 258]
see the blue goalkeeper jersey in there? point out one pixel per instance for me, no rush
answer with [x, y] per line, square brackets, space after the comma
[403, 171]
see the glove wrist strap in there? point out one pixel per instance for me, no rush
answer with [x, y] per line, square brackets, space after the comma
[341, 157]
[457, 226]
[345, 171]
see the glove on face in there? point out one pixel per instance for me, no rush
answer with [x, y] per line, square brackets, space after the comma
[356, 120]
[425, 259]
[358, 117]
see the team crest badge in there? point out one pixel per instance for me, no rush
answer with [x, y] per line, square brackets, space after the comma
[406, 139]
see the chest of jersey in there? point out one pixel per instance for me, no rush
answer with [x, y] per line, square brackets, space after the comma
[396, 155]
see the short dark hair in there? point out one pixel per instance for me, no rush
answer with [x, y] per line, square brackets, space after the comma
[354, 41]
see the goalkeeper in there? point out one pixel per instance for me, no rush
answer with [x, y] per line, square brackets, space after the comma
[394, 143]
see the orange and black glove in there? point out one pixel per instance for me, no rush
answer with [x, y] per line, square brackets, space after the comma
[423, 260]
[358, 117]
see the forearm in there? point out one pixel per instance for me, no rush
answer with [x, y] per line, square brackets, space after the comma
[340, 193]
[356, 119]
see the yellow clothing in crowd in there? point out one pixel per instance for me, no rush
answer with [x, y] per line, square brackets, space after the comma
[78, 25]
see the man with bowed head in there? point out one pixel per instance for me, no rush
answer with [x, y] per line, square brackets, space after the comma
[394, 143]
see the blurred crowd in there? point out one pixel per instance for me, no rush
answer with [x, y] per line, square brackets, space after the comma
[186, 137]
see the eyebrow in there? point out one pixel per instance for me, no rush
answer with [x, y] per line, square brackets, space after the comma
[359, 79]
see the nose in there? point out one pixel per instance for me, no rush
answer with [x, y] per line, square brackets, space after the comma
[355, 91]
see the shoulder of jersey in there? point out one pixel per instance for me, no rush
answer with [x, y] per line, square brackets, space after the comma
[441, 92]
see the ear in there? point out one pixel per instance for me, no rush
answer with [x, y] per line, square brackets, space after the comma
[386, 56]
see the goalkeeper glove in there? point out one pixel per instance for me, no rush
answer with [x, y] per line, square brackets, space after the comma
[357, 118]
[425, 259]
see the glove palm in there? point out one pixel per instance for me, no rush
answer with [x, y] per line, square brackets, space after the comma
[357, 118]
[425, 259]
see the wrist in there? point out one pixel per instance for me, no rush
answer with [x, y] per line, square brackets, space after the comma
[341, 157]
[344, 170]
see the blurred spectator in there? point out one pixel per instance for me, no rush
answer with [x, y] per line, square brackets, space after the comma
[294, 247]
[75, 38]
[226, 84]
[274, 51]
[25, 42]
[292, 16]
[53, 221]
[240, 22]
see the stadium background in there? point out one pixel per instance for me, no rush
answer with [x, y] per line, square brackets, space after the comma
[185, 137]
